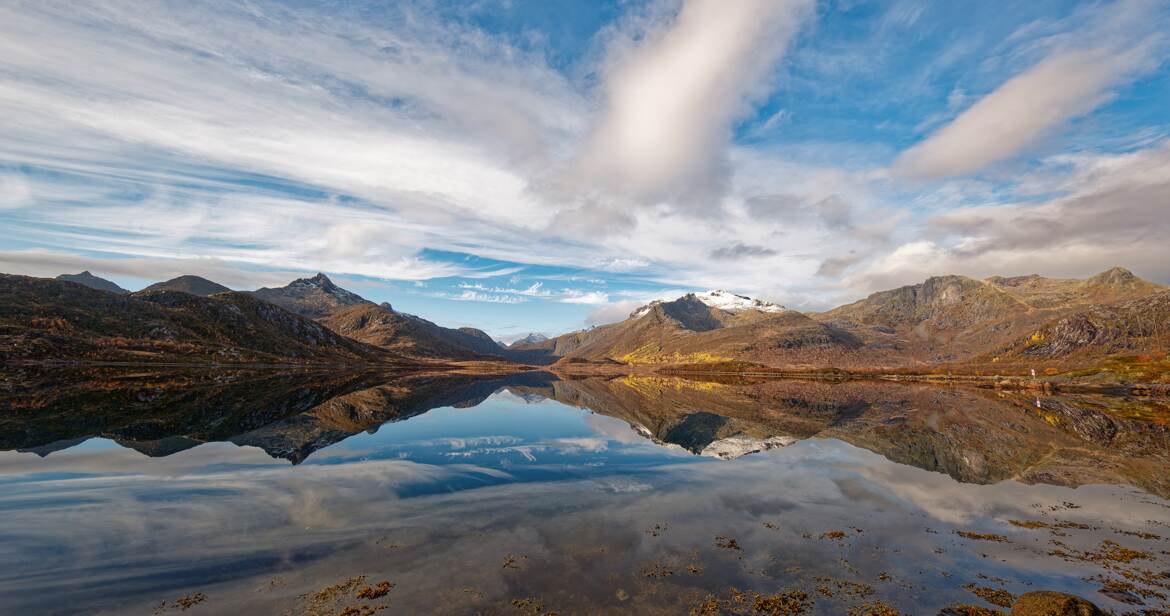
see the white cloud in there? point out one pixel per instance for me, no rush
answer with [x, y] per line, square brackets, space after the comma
[674, 89]
[572, 296]
[15, 192]
[612, 312]
[537, 290]
[1070, 81]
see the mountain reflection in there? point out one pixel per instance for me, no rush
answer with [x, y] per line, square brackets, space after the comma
[163, 491]
[973, 435]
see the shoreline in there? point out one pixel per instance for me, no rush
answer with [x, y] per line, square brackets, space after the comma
[1047, 385]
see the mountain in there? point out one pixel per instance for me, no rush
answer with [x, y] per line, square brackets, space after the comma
[724, 301]
[44, 319]
[701, 328]
[942, 320]
[314, 297]
[531, 338]
[410, 335]
[193, 285]
[93, 282]
[948, 319]
[1111, 286]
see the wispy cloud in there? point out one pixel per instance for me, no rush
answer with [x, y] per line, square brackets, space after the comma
[537, 290]
[1072, 80]
[478, 296]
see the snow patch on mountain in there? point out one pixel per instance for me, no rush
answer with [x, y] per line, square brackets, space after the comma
[736, 303]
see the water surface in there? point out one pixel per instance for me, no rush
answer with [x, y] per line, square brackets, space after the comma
[292, 493]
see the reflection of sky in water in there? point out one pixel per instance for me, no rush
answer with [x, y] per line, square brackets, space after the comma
[531, 440]
[583, 505]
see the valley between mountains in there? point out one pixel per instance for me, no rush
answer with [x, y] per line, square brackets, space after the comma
[1110, 328]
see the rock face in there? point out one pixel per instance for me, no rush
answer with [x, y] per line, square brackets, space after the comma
[48, 319]
[1048, 603]
[314, 297]
[193, 285]
[93, 282]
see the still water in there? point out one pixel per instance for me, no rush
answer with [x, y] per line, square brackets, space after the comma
[157, 492]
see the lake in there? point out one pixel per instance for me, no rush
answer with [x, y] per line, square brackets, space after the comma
[157, 491]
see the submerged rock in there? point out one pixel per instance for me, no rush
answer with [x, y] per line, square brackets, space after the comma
[1049, 603]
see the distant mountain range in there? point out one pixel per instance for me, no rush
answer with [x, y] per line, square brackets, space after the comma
[531, 338]
[943, 321]
[44, 319]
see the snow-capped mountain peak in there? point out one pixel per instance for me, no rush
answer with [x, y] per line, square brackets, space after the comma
[723, 300]
[736, 303]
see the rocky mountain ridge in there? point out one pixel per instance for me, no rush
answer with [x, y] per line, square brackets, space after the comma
[942, 321]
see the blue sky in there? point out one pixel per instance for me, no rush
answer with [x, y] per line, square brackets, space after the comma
[544, 166]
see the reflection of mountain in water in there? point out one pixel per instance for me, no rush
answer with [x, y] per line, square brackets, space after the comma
[973, 435]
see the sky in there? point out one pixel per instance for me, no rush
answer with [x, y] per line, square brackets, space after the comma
[546, 165]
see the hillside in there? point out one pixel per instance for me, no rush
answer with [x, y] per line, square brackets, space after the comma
[410, 335]
[43, 319]
[193, 285]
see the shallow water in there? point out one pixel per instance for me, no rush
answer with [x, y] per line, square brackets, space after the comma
[291, 493]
